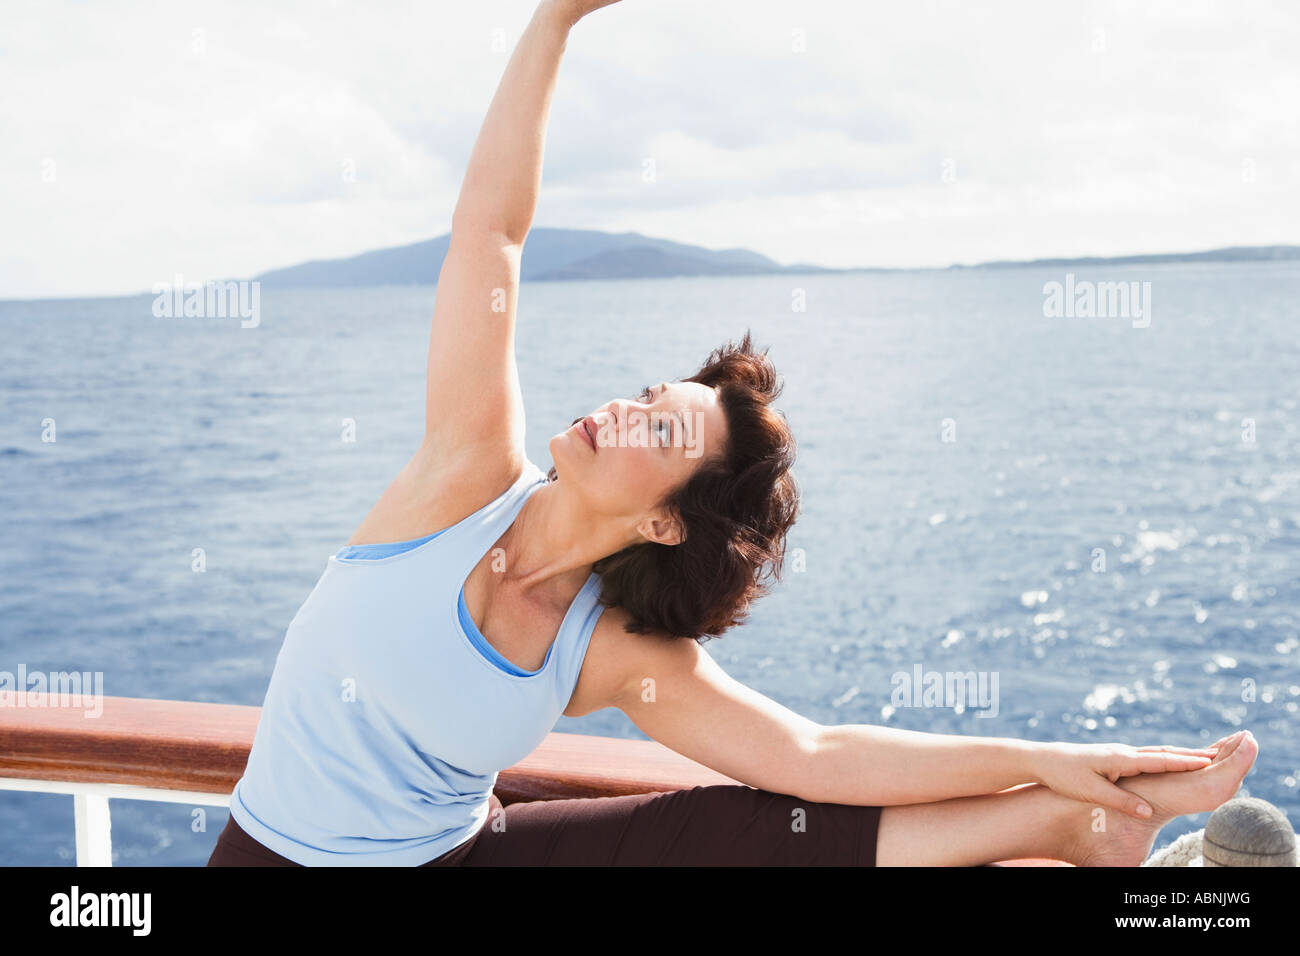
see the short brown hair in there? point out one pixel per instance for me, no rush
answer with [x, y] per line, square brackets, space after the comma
[736, 510]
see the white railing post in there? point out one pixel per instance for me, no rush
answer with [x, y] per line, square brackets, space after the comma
[94, 829]
[93, 825]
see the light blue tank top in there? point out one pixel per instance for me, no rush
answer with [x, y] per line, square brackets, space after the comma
[388, 715]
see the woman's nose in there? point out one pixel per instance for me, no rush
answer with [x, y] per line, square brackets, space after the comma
[616, 410]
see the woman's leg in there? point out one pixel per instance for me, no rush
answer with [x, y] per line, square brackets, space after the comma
[721, 825]
[728, 825]
[740, 826]
[1030, 821]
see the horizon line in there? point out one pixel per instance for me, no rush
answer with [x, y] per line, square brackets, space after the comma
[805, 267]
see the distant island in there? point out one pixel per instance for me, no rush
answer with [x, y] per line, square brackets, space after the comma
[549, 255]
[567, 254]
[553, 255]
[1227, 254]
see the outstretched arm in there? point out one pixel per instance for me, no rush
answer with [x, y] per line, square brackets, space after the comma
[698, 710]
[474, 409]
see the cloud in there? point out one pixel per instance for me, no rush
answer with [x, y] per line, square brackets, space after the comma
[144, 139]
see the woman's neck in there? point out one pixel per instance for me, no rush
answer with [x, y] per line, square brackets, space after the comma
[552, 544]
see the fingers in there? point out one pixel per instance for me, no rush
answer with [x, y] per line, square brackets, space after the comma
[1230, 742]
[1229, 745]
[1117, 798]
[1221, 747]
[1180, 757]
[1163, 762]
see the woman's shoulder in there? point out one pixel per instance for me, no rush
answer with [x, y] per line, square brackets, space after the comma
[434, 491]
[617, 659]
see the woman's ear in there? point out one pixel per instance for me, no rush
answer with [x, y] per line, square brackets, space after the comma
[662, 528]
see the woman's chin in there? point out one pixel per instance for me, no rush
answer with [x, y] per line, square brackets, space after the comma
[562, 452]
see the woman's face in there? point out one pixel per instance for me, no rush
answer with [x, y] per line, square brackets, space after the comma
[627, 456]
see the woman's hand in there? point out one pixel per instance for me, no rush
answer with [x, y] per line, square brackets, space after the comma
[1087, 772]
[575, 10]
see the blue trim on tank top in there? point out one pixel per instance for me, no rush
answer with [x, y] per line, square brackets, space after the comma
[491, 653]
[370, 552]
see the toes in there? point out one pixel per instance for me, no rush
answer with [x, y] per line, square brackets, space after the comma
[1241, 757]
[1247, 749]
[1228, 746]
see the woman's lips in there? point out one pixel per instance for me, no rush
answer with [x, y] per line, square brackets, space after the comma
[587, 428]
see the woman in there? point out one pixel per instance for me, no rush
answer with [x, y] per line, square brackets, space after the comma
[480, 599]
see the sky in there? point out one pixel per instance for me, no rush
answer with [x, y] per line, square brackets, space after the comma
[143, 140]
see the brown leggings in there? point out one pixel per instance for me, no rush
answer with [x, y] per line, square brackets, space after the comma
[721, 825]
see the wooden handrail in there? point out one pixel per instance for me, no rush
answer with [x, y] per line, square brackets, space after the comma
[192, 745]
[168, 744]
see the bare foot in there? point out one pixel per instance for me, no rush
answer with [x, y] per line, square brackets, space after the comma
[1127, 840]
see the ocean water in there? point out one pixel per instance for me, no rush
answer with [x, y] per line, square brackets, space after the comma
[1105, 517]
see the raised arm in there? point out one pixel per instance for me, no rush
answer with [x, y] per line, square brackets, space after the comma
[473, 402]
[499, 193]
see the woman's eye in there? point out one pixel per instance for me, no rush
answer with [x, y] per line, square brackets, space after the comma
[664, 427]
